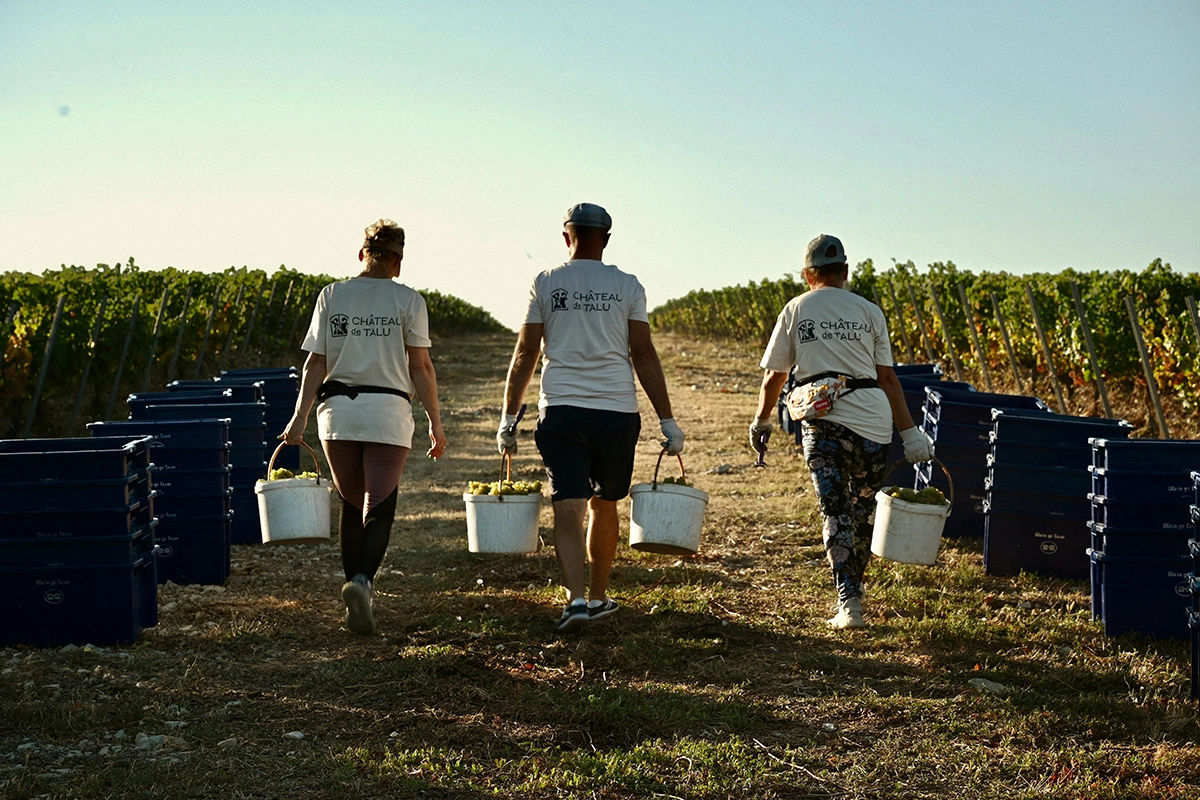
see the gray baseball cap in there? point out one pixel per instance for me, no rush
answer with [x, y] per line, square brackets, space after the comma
[587, 215]
[824, 250]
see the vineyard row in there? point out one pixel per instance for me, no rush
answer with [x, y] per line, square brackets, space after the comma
[1068, 337]
[77, 341]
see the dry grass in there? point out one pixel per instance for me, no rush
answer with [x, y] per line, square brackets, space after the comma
[718, 677]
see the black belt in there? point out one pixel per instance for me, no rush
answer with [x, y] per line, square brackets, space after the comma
[334, 388]
[851, 383]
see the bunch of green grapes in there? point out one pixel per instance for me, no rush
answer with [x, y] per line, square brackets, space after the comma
[283, 473]
[930, 495]
[675, 481]
[505, 487]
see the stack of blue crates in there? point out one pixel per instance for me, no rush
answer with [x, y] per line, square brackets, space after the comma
[1194, 611]
[960, 422]
[191, 476]
[913, 383]
[1036, 513]
[281, 387]
[77, 563]
[1141, 500]
[247, 456]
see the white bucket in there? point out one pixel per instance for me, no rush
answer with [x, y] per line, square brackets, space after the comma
[502, 523]
[666, 518]
[294, 510]
[907, 532]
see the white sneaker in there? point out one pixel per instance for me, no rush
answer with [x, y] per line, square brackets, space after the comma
[849, 615]
[360, 616]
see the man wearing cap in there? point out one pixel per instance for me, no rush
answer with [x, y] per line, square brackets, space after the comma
[850, 397]
[589, 321]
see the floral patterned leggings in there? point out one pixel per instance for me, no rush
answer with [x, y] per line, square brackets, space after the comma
[847, 471]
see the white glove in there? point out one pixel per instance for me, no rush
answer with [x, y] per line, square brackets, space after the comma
[918, 446]
[674, 442]
[506, 435]
[759, 427]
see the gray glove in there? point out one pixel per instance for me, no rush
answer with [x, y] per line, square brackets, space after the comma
[918, 446]
[506, 435]
[759, 427]
[671, 430]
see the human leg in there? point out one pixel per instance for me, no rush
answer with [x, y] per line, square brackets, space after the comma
[828, 450]
[345, 462]
[569, 546]
[602, 534]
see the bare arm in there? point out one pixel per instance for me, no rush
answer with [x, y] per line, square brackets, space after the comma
[424, 378]
[768, 393]
[522, 366]
[887, 380]
[648, 368]
[311, 379]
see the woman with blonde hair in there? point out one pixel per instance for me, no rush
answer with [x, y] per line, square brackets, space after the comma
[368, 352]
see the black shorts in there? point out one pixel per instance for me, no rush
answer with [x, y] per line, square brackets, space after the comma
[587, 452]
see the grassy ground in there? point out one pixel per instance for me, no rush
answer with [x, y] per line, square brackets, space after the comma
[718, 678]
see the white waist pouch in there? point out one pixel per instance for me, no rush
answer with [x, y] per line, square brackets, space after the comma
[814, 400]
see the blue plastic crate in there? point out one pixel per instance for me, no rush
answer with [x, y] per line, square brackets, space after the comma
[959, 434]
[78, 551]
[1018, 454]
[1140, 487]
[260, 372]
[115, 521]
[240, 415]
[246, 476]
[178, 434]
[1158, 455]
[252, 457]
[1039, 480]
[28, 460]
[1142, 595]
[1196, 485]
[1032, 427]
[198, 505]
[1013, 543]
[239, 392]
[1021, 501]
[1159, 516]
[195, 551]
[94, 604]
[79, 495]
[193, 481]
[918, 369]
[963, 406]
[210, 394]
[197, 458]
[246, 526]
[1138, 542]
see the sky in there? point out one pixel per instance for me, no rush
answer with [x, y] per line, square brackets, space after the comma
[1028, 136]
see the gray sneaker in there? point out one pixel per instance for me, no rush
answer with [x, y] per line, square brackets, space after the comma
[574, 617]
[360, 616]
[606, 607]
[849, 615]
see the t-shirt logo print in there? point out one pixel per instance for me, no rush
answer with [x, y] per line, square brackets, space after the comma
[558, 300]
[806, 331]
[339, 325]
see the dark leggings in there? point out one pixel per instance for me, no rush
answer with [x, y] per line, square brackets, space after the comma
[367, 475]
[847, 471]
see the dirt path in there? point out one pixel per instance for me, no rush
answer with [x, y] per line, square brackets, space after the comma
[717, 678]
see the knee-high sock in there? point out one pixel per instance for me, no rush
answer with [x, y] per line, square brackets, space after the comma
[377, 531]
[351, 539]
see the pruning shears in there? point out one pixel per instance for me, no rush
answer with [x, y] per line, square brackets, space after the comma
[512, 428]
[761, 447]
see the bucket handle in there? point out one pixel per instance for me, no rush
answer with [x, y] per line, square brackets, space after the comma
[657, 464]
[505, 469]
[949, 480]
[271, 465]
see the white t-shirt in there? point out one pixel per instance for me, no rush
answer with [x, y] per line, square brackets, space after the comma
[585, 307]
[835, 330]
[362, 326]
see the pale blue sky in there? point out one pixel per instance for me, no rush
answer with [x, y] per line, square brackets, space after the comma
[1019, 136]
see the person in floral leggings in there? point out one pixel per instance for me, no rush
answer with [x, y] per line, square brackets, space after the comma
[848, 398]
